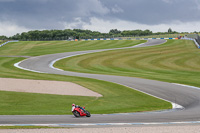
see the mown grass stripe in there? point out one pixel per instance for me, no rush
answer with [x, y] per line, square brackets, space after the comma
[175, 61]
[35, 48]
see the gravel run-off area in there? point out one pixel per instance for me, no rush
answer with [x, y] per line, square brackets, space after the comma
[45, 87]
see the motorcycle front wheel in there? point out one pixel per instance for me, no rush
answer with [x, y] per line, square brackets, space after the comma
[88, 114]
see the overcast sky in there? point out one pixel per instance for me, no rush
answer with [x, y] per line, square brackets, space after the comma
[18, 16]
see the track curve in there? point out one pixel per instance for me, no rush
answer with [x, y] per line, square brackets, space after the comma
[187, 97]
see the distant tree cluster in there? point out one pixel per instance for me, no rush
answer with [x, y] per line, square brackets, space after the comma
[136, 33]
[3, 37]
[66, 34]
[56, 34]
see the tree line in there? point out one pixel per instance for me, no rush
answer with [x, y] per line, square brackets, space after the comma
[67, 34]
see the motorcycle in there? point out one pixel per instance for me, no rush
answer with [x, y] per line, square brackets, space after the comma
[79, 112]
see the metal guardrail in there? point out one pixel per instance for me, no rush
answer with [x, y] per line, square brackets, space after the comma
[196, 39]
[8, 42]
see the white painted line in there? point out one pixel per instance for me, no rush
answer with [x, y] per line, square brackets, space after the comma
[174, 105]
[54, 61]
[187, 86]
[17, 65]
[103, 124]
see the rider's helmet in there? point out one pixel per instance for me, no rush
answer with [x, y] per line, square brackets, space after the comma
[73, 104]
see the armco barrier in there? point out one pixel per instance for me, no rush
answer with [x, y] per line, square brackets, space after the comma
[8, 42]
[196, 43]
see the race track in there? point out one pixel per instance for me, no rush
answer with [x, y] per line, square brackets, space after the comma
[187, 97]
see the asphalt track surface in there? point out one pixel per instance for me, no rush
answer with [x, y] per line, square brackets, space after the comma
[187, 97]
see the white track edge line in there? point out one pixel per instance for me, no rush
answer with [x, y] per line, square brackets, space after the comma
[103, 124]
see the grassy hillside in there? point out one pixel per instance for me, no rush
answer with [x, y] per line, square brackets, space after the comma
[116, 98]
[35, 48]
[176, 61]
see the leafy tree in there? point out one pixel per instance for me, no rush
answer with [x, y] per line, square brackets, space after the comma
[169, 30]
[3, 37]
[114, 31]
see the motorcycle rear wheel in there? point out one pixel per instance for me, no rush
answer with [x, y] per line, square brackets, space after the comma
[76, 114]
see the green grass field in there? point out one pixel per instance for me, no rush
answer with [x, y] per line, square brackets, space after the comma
[30, 127]
[1, 41]
[116, 98]
[35, 48]
[176, 61]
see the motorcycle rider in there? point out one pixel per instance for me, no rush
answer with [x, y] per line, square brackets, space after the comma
[73, 107]
[76, 106]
